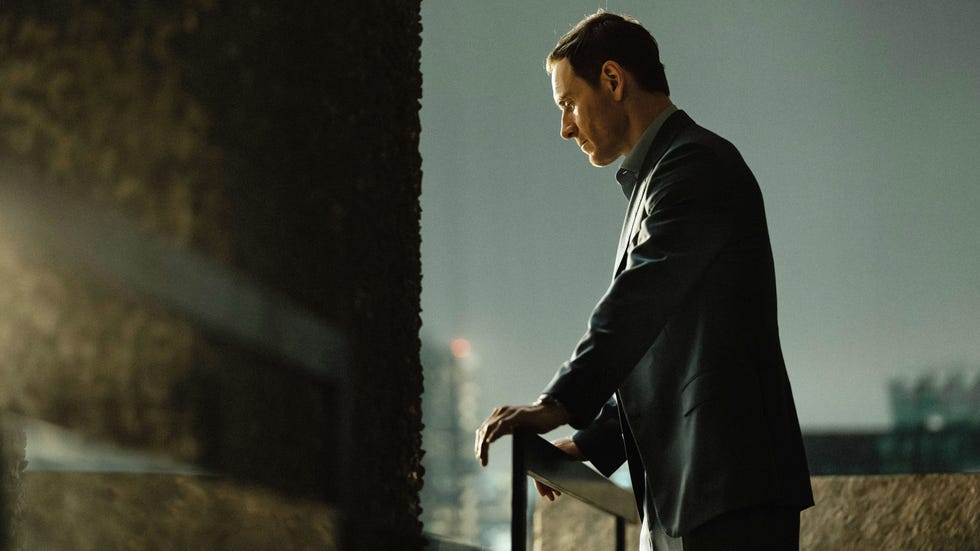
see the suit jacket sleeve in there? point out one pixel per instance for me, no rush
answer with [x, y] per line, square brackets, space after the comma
[602, 442]
[686, 219]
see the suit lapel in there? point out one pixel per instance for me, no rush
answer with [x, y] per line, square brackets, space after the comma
[661, 143]
[629, 222]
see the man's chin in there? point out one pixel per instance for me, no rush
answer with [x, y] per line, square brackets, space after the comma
[600, 162]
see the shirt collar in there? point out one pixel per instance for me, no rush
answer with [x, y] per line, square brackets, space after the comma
[629, 171]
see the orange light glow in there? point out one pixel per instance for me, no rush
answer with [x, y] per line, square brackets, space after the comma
[460, 348]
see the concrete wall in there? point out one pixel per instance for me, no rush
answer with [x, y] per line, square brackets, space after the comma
[902, 512]
[277, 140]
[149, 512]
[860, 513]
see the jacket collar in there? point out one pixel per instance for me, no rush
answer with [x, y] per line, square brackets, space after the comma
[628, 175]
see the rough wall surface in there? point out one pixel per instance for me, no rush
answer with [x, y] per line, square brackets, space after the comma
[893, 513]
[279, 139]
[853, 513]
[152, 512]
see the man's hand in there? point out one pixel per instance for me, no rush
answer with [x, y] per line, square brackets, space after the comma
[539, 417]
[568, 446]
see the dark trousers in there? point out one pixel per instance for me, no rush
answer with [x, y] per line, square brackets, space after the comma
[766, 528]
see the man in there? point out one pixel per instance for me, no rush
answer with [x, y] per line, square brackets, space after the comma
[680, 372]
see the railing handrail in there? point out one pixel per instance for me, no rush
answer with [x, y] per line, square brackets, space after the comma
[114, 252]
[535, 457]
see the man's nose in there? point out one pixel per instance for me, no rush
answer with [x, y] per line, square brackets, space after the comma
[568, 129]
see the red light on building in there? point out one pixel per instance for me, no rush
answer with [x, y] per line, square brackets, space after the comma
[460, 348]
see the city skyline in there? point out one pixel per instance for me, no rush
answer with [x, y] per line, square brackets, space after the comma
[858, 122]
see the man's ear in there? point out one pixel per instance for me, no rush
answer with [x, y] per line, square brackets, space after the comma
[611, 77]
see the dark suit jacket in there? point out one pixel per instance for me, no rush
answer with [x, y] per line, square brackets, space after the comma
[680, 371]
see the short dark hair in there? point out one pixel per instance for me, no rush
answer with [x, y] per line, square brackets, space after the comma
[606, 36]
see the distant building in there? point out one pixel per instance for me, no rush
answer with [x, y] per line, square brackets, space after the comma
[836, 452]
[936, 401]
[936, 428]
[450, 491]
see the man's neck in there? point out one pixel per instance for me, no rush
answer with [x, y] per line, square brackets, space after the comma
[643, 112]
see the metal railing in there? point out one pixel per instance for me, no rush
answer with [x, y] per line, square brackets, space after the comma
[535, 457]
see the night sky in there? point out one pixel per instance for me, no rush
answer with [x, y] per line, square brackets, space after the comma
[861, 121]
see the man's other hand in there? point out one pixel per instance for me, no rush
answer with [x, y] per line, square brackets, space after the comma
[568, 446]
[539, 417]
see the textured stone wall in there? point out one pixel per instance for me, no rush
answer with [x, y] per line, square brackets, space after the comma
[279, 139]
[132, 512]
[12, 466]
[893, 513]
[853, 513]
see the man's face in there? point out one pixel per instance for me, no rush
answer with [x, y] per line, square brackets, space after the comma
[589, 115]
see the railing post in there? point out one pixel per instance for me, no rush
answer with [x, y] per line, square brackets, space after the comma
[620, 533]
[518, 497]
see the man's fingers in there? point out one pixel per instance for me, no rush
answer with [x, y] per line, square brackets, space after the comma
[478, 444]
[489, 432]
[543, 490]
[497, 429]
[482, 446]
[546, 491]
[501, 426]
[502, 421]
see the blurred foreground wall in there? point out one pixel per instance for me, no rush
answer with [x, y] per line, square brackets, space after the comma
[209, 273]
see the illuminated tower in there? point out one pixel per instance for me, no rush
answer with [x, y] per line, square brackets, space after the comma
[449, 496]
